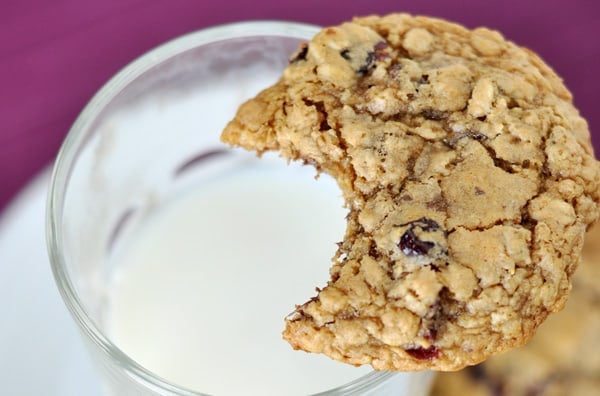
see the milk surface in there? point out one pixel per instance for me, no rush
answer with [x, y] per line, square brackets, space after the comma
[203, 285]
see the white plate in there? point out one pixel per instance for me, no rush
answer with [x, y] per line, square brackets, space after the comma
[41, 352]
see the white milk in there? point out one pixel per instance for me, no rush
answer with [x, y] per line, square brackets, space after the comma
[204, 284]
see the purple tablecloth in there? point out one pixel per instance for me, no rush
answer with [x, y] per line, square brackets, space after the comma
[54, 55]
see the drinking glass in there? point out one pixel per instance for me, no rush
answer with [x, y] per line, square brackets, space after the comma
[130, 151]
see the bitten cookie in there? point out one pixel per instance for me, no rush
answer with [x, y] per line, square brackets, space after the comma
[563, 358]
[469, 178]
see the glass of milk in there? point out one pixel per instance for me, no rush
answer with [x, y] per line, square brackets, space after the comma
[179, 257]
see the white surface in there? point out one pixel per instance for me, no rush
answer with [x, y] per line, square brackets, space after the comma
[41, 352]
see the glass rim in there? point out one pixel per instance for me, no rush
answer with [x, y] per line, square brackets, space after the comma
[76, 137]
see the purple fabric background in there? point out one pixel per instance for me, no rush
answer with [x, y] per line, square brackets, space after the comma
[54, 55]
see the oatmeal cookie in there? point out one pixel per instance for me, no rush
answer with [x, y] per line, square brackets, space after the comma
[563, 358]
[469, 178]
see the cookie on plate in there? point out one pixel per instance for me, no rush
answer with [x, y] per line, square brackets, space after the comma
[469, 178]
[563, 358]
